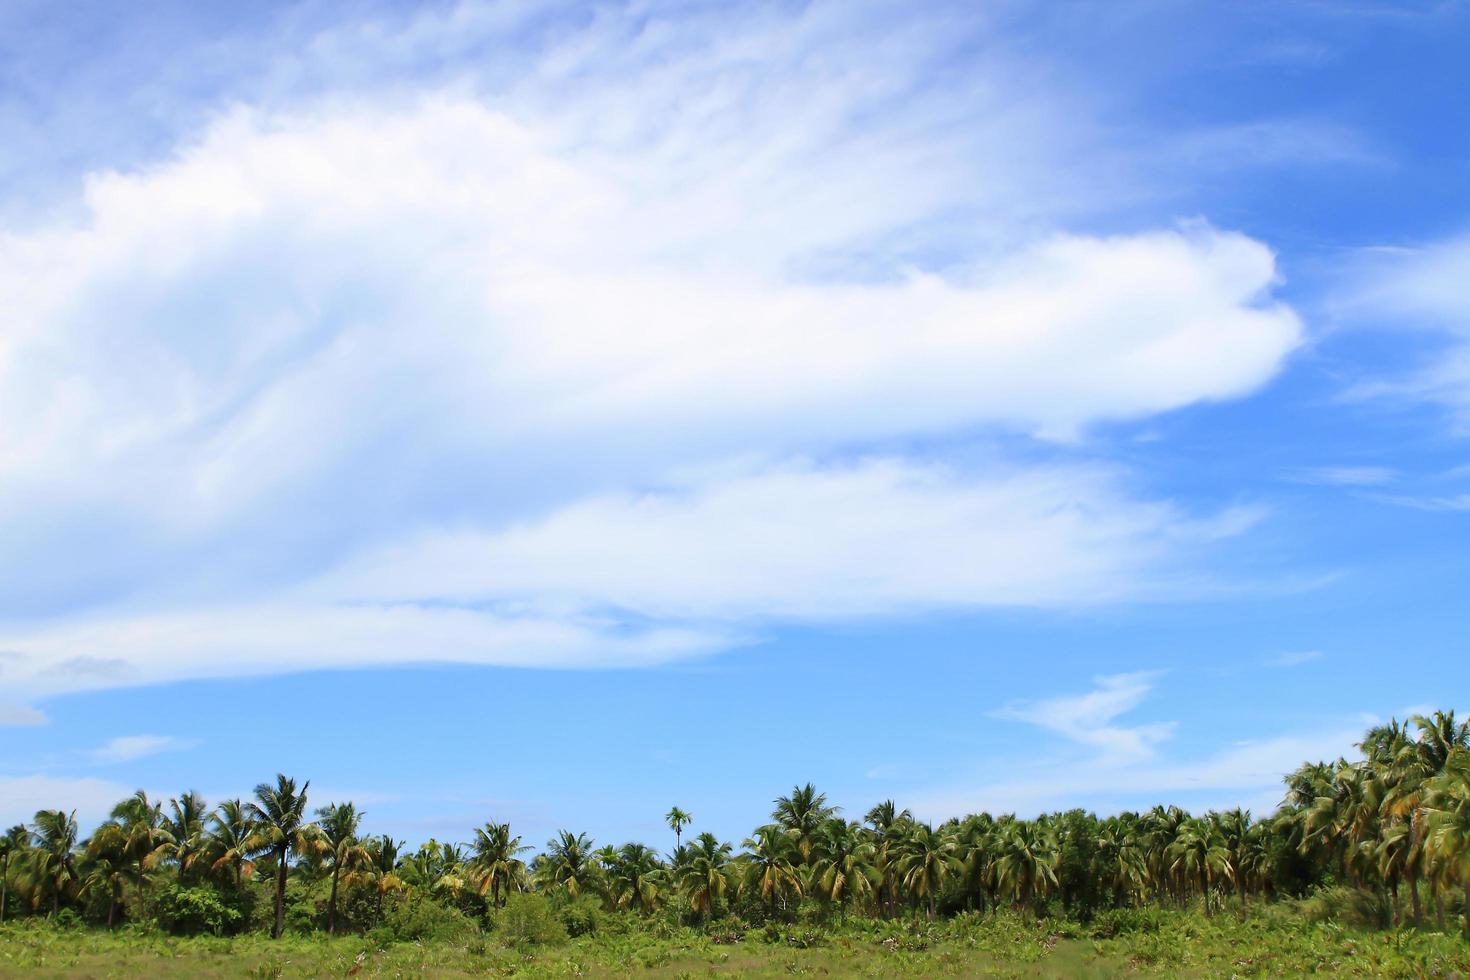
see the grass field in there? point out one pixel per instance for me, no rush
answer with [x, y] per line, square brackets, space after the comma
[1276, 942]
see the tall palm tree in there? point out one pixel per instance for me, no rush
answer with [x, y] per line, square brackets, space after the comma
[495, 866]
[802, 813]
[53, 865]
[13, 842]
[677, 820]
[704, 874]
[634, 876]
[843, 870]
[567, 866]
[145, 838]
[380, 870]
[227, 840]
[108, 864]
[1025, 863]
[927, 859]
[338, 823]
[185, 823]
[885, 819]
[280, 830]
[770, 863]
[1448, 819]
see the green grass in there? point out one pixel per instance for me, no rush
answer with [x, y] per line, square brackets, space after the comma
[1269, 943]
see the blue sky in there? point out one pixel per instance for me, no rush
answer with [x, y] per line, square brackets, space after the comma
[554, 412]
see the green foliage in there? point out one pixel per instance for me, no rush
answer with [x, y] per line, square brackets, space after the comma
[582, 917]
[1350, 906]
[196, 911]
[528, 919]
[424, 920]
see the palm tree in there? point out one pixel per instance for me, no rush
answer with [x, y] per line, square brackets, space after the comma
[843, 870]
[145, 839]
[770, 863]
[338, 825]
[677, 820]
[280, 830]
[228, 840]
[495, 865]
[704, 874]
[633, 875]
[1025, 862]
[108, 864]
[380, 869]
[568, 866]
[185, 824]
[1448, 818]
[802, 813]
[13, 842]
[926, 860]
[885, 819]
[53, 868]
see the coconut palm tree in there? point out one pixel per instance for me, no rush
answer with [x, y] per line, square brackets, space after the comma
[1448, 821]
[338, 843]
[770, 859]
[379, 870]
[227, 840]
[677, 820]
[842, 871]
[1025, 864]
[280, 830]
[633, 877]
[53, 867]
[704, 874]
[568, 866]
[145, 838]
[495, 867]
[108, 864]
[927, 859]
[185, 824]
[13, 843]
[802, 813]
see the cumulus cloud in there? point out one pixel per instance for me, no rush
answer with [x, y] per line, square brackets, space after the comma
[20, 714]
[606, 367]
[22, 796]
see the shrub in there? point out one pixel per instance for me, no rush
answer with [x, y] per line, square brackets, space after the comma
[1349, 906]
[407, 920]
[195, 911]
[582, 917]
[1117, 922]
[528, 919]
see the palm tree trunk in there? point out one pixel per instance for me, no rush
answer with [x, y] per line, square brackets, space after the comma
[1467, 908]
[111, 907]
[332, 902]
[931, 903]
[4, 886]
[1415, 909]
[1434, 897]
[280, 924]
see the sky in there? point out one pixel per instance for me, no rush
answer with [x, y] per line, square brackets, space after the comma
[556, 412]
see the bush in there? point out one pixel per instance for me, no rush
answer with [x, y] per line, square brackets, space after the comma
[528, 919]
[1118, 922]
[582, 917]
[195, 911]
[406, 920]
[1349, 906]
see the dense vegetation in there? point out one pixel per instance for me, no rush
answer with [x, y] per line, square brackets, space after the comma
[1382, 843]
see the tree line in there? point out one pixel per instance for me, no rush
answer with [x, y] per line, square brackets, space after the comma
[1394, 824]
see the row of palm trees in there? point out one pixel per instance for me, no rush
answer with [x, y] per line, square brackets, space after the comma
[1396, 821]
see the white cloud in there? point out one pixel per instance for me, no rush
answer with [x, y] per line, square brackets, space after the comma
[127, 748]
[1090, 718]
[1126, 771]
[20, 714]
[1345, 476]
[22, 796]
[1294, 658]
[603, 368]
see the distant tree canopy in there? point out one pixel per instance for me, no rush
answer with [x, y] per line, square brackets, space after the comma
[1395, 823]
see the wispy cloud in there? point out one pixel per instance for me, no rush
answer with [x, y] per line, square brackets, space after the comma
[15, 714]
[1344, 476]
[1090, 718]
[127, 748]
[1294, 658]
